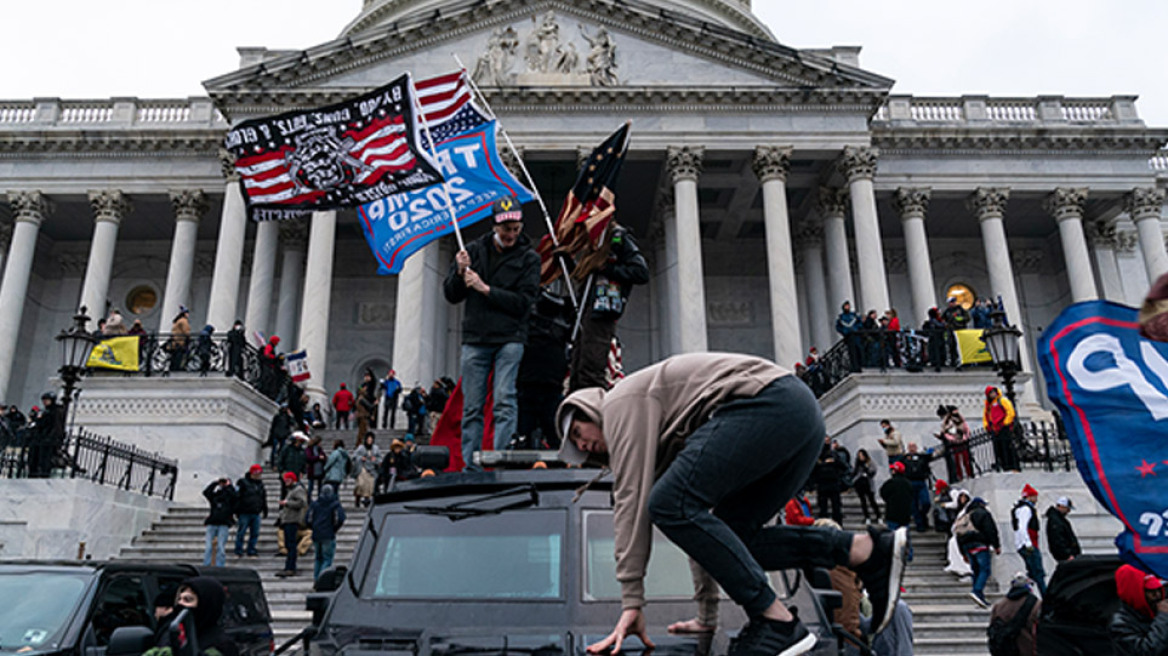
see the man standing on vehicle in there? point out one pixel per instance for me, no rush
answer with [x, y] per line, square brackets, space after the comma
[1024, 521]
[693, 445]
[498, 278]
[1060, 535]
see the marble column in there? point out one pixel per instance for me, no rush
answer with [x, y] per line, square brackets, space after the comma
[832, 205]
[1102, 238]
[771, 165]
[859, 168]
[1144, 205]
[670, 309]
[108, 209]
[5, 242]
[810, 242]
[1065, 204]
[228, 253]
[314, 312]
[415, 340]
[294, 235]
[263, 277]
[685, 165]
[189, 207]
[29, 210]
[912, 203]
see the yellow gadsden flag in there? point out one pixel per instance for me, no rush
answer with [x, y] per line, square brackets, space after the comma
[120, 353]
[972, 349]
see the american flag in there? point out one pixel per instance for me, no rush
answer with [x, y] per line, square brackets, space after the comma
[447, 107]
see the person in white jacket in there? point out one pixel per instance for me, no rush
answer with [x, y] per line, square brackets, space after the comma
[957, 565]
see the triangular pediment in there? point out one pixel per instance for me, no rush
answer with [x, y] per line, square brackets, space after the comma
[512, 45]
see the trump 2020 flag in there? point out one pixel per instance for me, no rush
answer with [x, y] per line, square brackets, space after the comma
[1111, 388]
[342, 155]
[398, 226]
[297, 364]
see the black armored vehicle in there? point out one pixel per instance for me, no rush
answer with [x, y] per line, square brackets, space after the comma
[512, 562]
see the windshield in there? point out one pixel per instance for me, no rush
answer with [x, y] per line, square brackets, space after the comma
[667, 576]
[516, 555]
[36, 607]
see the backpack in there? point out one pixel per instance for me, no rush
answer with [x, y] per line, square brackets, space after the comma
[1002, 636]
[964, 527]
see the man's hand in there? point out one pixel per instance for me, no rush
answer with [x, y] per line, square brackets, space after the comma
[998, 551]
[631, 622]
[1162, 606]
[283, 502]
[462, 258]
[473, 281]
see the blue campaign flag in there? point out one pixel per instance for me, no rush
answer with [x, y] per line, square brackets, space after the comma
[1111, 387]
[400, 225]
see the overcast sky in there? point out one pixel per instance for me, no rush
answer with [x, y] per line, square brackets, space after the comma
[166, 48]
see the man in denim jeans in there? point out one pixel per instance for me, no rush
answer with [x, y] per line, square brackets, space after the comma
[709, 447]
[1024, 521]
[979, 546]
[497, 276]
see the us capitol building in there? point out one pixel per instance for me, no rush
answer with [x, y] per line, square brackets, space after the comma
[765, 184]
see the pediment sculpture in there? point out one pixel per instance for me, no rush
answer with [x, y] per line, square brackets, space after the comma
[549, 59]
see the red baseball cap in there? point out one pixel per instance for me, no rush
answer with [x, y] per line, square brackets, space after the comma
[897, 467]
[255, 469]
[290, 477]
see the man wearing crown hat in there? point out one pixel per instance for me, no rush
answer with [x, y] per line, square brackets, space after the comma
[1024, 521]
[497, 276]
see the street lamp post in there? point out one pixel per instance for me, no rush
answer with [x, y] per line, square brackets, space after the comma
[1002, 341]
[76, 345]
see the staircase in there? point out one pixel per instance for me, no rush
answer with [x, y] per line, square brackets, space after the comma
[945, 620]
[178, 538]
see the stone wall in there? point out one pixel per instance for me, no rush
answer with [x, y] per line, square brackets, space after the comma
[52, 518]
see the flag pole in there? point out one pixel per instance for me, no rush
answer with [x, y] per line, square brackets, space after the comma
[434, 156]
[526, 176]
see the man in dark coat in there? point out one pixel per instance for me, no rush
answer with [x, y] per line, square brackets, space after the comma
[279, 432]
[1140, 626]
[250, 503]
[849, 325]
[828, 476]
[497, 276]
[917, 471]
[897, 494]
[1060, 536]
[235, 344]
[293, 458]
[221, 495]
[325, 517]
[542, 372]
[46, 437]
[977, 546]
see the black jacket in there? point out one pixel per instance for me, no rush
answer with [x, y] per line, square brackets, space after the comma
[987, 528]
[212, 640]
[251, 497]
[222, 504]
[1133, 634]
[1060, 536]
[897, 494]
[916, 466]
[829, 471]
[513, 275]
[280, 429]
[293, 459]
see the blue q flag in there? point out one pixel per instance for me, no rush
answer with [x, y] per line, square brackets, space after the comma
[1111, 386]
[400, 225]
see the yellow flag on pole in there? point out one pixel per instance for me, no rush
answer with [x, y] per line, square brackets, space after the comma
[971, 347]
[118, 353]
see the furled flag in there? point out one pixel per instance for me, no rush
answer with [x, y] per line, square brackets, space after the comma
[297, 364]
[587, 211]
[398, 226]
[1111, 389]
[342, 155]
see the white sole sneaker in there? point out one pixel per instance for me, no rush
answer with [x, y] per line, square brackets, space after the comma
[895, 576]
[802, 647]
[977, 600]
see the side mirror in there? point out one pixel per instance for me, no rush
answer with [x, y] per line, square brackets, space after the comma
[431, 457]
[330, 579]
[130, 641]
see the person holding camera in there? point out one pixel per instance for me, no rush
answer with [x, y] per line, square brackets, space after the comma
[221, 495]
[1140, 626]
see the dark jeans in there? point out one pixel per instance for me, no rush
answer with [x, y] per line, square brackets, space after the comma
[981, 565]
[1033, 559]
[537, 411]
[590, 353]
[921, 504]
[745, 463]
[247, 523]
[1005, 456]
[867, 497]
[832, 498]
[291, 531]
[342, 418]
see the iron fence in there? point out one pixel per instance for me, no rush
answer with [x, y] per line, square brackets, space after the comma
[97, 458]
[1030, 445]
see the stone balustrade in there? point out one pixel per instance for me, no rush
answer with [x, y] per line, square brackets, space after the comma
[983, 110]
[43, 113]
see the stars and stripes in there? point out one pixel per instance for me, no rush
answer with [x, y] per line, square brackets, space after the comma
[447, 107]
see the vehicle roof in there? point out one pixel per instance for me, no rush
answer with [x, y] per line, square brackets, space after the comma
[466, 483]
[94, 566]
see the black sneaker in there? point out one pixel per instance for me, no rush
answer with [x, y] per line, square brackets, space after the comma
[883, 572]
[765, 637]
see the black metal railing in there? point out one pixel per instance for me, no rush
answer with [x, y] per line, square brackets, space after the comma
[881, 350]
[163, 354]
[1032, 445]
[83, 454]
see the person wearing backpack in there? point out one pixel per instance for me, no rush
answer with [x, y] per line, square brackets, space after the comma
[1014, 620]
[1024, 521]
[338, 466]
[977, 535]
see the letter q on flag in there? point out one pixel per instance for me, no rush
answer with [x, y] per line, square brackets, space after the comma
[1111, 387]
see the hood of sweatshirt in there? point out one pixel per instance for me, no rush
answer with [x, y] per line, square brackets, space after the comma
[211, 599]
[1129, 583]
[587, 402]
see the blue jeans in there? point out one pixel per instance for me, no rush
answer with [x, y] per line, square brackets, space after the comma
[325, 550]
[921, 504]
[219, 535]
[477, 362]
[982, 565]
[247, 523]
[735, 472]
[1033, 559]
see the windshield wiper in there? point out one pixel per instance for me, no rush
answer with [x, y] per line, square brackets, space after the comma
[468, 507]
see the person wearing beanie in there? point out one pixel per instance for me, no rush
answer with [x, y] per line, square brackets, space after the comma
[497, 276]
[325, 517]
[1014, 618]
[1140, 626]
[293, 508]
[1024, 521]
[1060, 535]
[977, 542]
[236, 341]
[251, 502]
[205, 597]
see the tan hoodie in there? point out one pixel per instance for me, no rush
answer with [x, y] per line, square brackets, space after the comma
[645, 419]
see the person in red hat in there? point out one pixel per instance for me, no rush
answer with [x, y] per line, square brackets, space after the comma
[1140, 626]
[1024, 521]
[293, 508]
[897, 493]
[251, 501]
